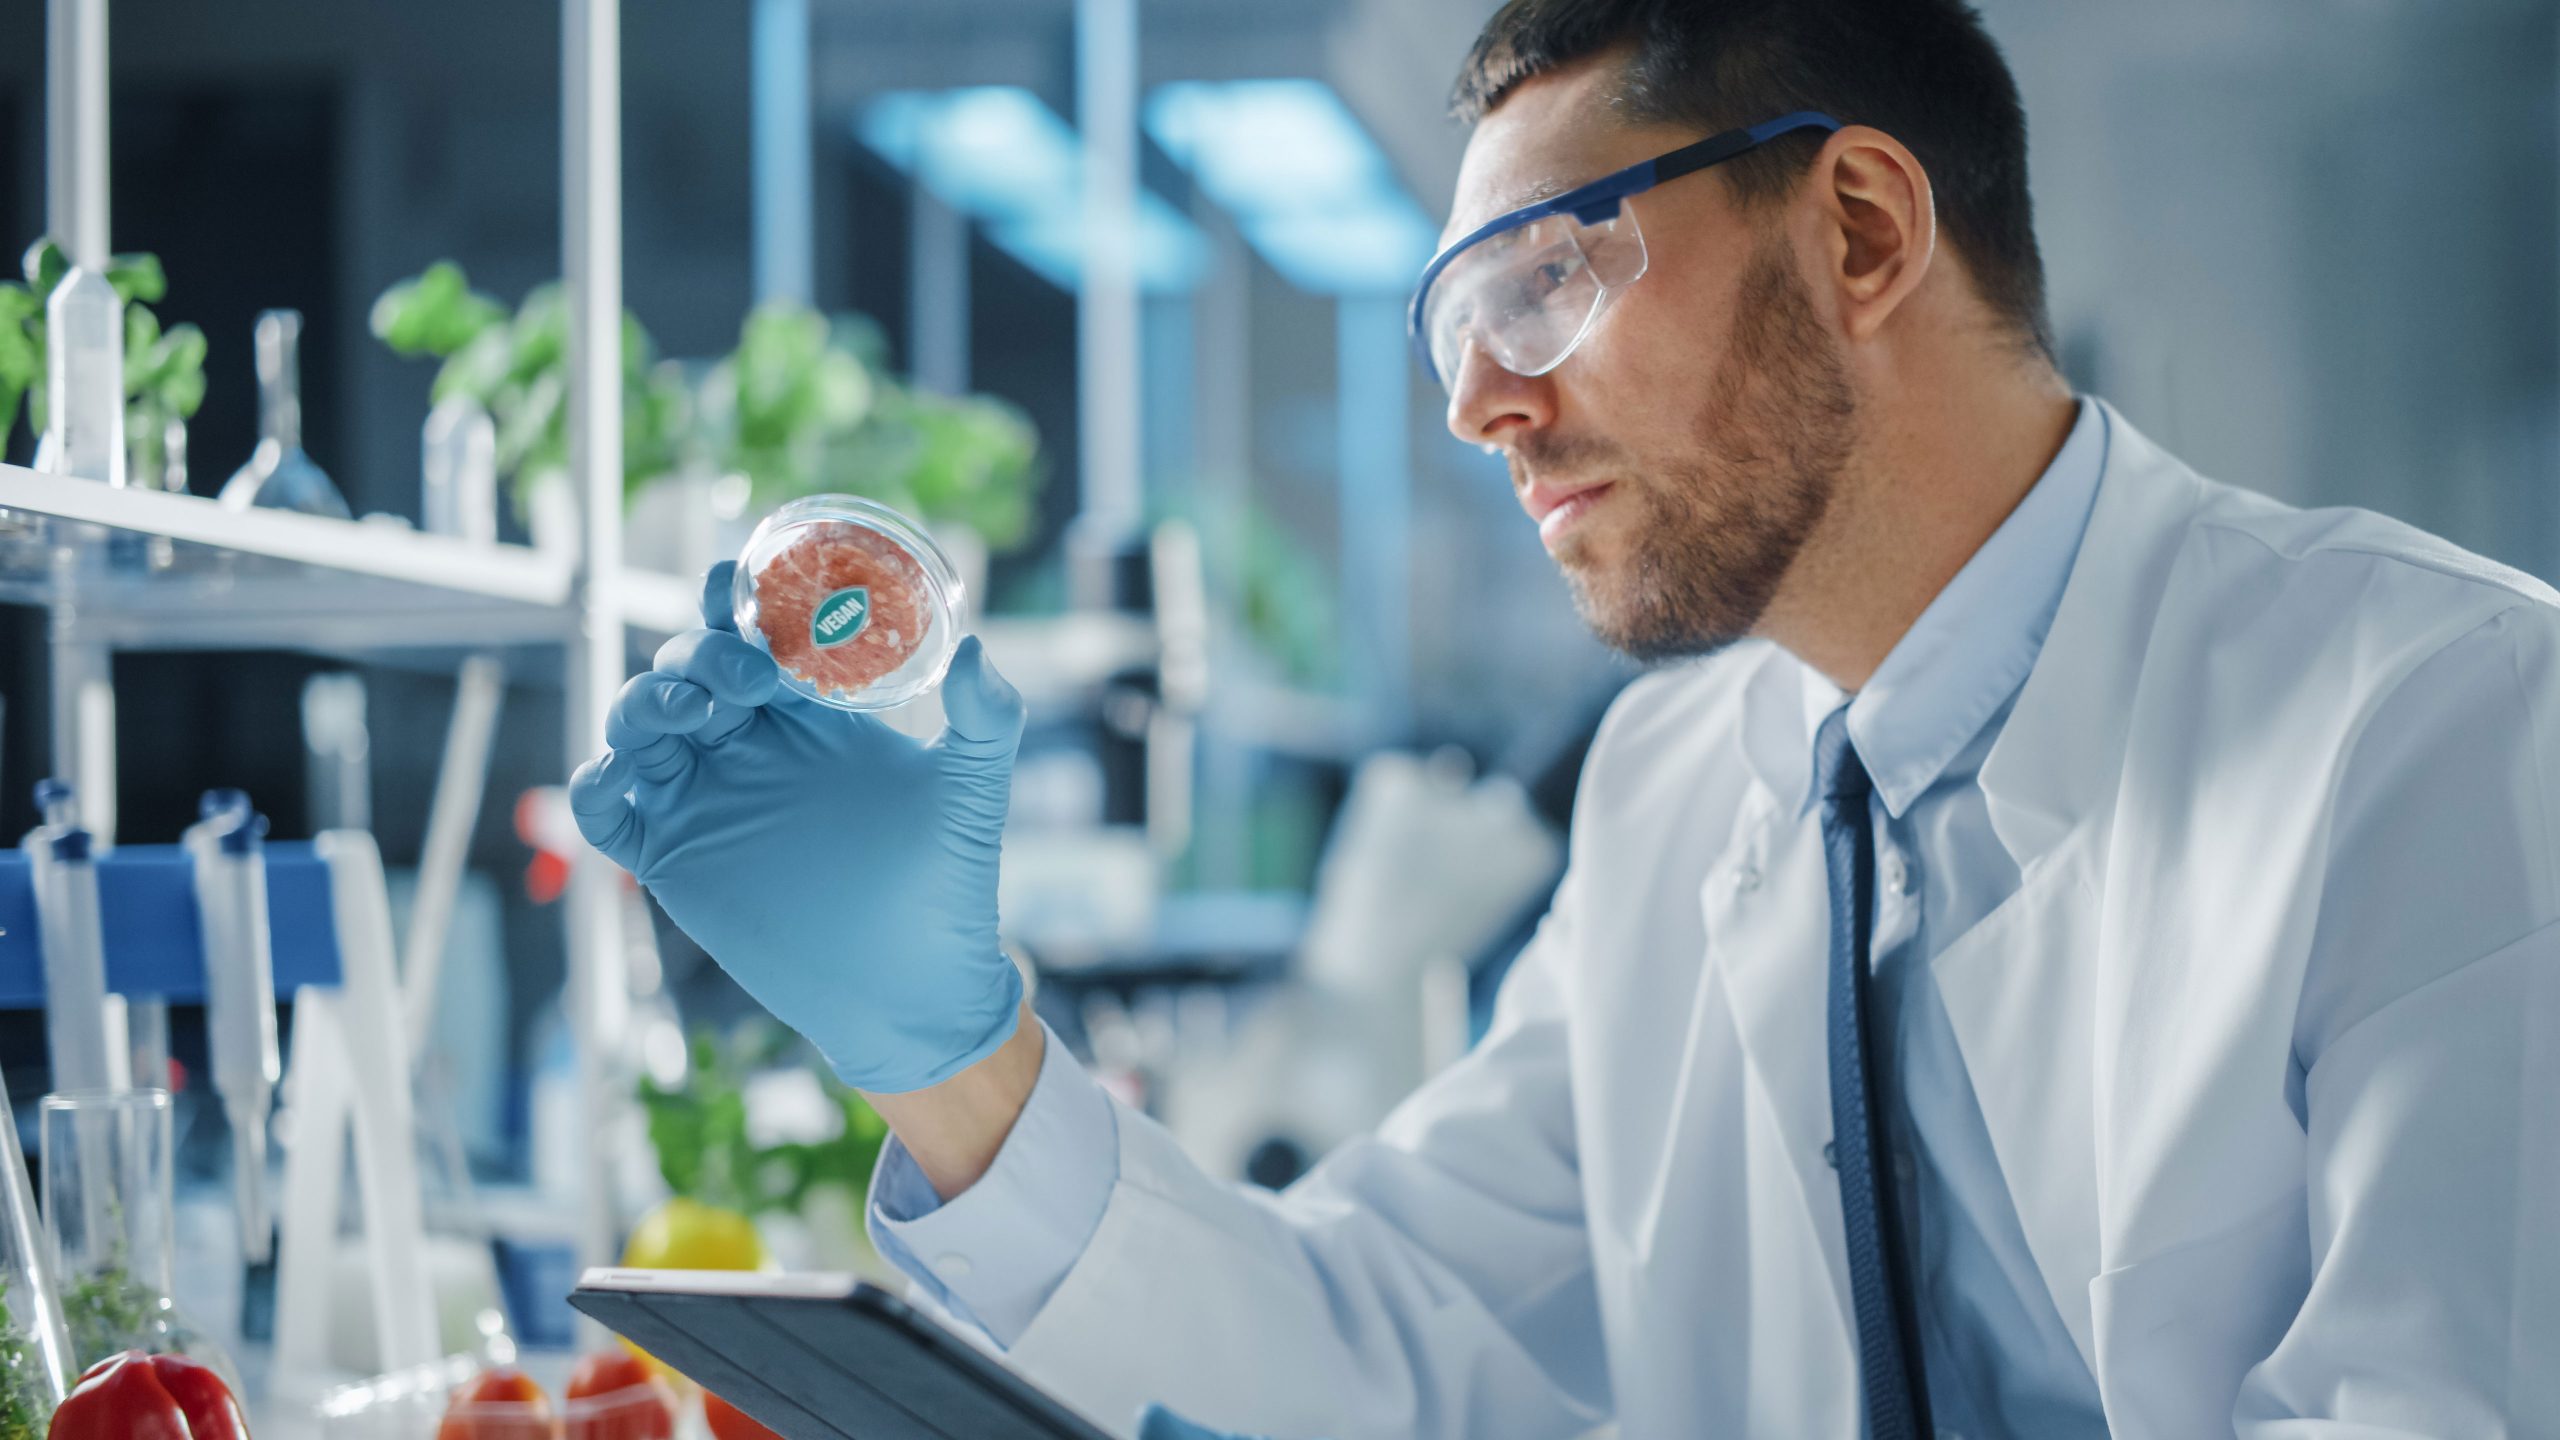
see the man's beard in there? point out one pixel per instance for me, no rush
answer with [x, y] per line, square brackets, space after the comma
[1716, 531]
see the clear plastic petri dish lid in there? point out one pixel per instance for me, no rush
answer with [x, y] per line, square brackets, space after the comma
[852, 599]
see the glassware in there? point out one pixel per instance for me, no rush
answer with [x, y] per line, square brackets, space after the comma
[35, 1357]
[279, 476]
[84, 379]
[459, 475]
[110, 1215]
[854, 601]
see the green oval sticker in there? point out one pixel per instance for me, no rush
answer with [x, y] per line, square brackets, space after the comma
[840, 617]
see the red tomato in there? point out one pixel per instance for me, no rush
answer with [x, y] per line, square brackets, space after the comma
[212, 1413]
[728, 1422]
[612, 1396]
[133, 1396]
[500, 1404]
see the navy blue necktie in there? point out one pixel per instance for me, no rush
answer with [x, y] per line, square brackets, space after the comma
[1879, 1284]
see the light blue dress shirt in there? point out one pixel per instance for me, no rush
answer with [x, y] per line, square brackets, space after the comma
[1999, 1359]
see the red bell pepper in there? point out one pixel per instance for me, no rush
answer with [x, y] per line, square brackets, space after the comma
[134, 1396]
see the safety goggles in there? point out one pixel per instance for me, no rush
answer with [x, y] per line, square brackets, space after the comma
[1529, 285]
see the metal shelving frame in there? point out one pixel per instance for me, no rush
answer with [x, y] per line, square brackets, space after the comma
[128, 569]
[131, 569]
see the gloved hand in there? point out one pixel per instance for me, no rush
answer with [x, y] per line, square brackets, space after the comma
[1158, 1423]
[842, 872]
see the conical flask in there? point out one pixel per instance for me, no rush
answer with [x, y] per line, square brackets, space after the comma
[35, 1355]
[279, 476]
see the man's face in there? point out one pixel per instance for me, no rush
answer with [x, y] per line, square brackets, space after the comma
[1679, 459]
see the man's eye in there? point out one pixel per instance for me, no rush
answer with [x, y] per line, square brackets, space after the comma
[1550, 276]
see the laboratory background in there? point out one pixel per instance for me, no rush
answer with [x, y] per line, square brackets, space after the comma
[1108, 296]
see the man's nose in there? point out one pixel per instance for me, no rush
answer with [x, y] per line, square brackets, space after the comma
[1488, 404]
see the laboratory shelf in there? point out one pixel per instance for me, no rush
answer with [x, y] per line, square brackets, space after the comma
[138, 569]
[141, 570]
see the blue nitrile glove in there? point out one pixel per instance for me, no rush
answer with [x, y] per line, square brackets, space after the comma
[1158, 1423]
[842, 872]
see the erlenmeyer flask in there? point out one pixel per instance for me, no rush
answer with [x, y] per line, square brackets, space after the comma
[110, 1214]
[35, 1358]
[279, 476]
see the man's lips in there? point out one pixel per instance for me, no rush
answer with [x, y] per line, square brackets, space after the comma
[1556, 506]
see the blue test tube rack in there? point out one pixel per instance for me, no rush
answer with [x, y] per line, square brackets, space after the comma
[155, 949]
[330, 945]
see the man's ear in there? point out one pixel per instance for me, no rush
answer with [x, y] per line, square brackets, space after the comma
[1882, 223]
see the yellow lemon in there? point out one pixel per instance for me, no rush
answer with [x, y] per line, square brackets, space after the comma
[686, 1234]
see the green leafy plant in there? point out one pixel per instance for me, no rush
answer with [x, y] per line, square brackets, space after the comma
[802, 406]
[26, 1393]
[516, 366]
[699, 1130]
[163, 368]
[805, 406]
[108, 1310]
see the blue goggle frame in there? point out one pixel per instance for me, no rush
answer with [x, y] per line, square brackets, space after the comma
[1597, 202]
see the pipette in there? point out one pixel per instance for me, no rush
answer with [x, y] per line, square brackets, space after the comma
[227, 852]
[83, 1032]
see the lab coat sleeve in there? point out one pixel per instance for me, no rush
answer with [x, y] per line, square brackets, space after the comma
[2428, 1068]
[1430, 1281]
[992, 1256]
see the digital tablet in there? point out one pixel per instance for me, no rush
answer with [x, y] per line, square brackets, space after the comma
[823, 1357]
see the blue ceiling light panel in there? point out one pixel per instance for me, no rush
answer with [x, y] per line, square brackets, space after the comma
[1000, 156]
[1312, 192]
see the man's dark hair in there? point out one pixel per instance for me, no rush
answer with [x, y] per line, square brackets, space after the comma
[1923, 71]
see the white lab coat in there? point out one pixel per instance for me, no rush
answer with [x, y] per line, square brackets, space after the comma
[2268, 1044]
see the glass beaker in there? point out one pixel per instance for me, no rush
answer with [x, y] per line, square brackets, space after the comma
[111, 1217]
[35, 1359]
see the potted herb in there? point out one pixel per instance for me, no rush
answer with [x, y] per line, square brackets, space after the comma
[163, 369]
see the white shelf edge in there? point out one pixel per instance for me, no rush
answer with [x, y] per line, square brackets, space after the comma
[494, 572]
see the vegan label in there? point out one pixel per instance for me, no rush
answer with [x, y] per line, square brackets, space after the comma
[840, 617]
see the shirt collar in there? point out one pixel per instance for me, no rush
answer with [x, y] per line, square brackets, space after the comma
[1972, 648]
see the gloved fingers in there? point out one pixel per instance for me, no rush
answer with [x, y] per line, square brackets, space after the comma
[740, 679]
[734, 671]
[718, 587]
[983, 709]
[1158, 1423]
[649, 720]
[599, 798]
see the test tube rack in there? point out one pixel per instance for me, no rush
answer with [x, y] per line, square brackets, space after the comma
[330, 919]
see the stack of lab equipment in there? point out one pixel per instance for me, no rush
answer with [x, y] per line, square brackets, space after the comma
[1426, 866]
[230, 920]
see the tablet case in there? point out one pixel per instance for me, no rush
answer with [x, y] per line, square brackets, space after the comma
[824, 1357]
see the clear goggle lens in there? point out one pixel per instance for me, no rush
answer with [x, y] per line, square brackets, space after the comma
[1529, 294]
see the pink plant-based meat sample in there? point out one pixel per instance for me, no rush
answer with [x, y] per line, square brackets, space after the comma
[842, 606]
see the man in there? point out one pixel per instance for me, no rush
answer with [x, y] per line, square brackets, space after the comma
[2058, 948]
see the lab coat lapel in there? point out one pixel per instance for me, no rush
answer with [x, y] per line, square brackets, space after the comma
[2056, 764]
[2020, 990]
[1766, 905]
[2022, 987]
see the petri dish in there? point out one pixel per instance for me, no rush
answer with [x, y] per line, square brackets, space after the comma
[852, 599]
